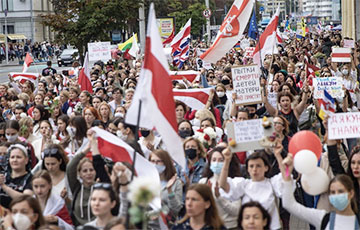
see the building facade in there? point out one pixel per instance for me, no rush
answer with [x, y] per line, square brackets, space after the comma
[325, 9]
[24, 19]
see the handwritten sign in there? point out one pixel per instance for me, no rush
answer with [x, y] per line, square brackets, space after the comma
[349, 43]
[249, 52]
[344, 125]
[99, 51]
[272, 99]
[333, 85]
[203, 64]
[246, 84]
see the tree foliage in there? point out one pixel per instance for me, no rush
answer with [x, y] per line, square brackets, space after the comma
[78, 22]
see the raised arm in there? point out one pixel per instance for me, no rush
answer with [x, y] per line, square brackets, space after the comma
[272, 111]
[225, 170]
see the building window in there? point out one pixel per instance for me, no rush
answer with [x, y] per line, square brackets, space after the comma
[10, 29]
[10, 4]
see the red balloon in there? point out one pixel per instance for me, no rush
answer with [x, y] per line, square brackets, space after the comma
[305, 140]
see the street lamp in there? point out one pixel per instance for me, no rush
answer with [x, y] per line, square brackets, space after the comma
[6, 32]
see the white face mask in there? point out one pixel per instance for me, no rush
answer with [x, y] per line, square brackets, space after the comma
[119, 115]
[21, 221]
[220, 94]
[121, 135]
[11, 138]
[71, 130]
[345, 71]
[196, 122]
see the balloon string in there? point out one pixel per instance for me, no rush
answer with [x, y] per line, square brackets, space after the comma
[287, 171]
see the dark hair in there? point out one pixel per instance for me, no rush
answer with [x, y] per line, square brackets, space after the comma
[234, 169]
[170, 170]
[3, 126]
[87, 94]
[347, 182]
[284, 94]
[107, 187]
[59, 155]
[254, 204]
[43, 174]
[116, 120]
[33, 204]
[112, 223]
[187, 121]
[244, 110]
[12, 124]
[97, 123]
[118, 89]
[355, 150]
[259, 154]
[80, 124]
[180, 103]
[286, 124]
[44, 113]
[292, 90]
[210, 120]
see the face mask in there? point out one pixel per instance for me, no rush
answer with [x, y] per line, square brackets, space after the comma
[145, 133]
[339, 201]
[345, 71]
[11, 138]
[121, 135]
[71, 131]
[110, 94]
[251, 115]
[225, 82]
[196, 122]
[21, 221]
[184, 133]
[220, 94]
[216, 167]
[191, 153]
[119, 115]
[160, 168]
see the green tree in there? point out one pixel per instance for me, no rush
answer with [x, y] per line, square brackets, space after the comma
[78, 22]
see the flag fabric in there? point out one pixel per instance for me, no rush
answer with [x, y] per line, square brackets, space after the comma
[230, 31]
[303, 26]
[134, 50]
[341, 54]
[22, 77]
[127, 44]
[27, 62]
[189, 75]
[327, 105]
[253, 30]
[115, 149]
[287, 26]
[279, 38]
[169, 39]
[181, 45]
[319, 27]
[154, 90]
[194, 98]
[267, 42]
[84, 76]
[311, 69]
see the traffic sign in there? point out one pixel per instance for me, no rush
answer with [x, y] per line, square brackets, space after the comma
[207, 13]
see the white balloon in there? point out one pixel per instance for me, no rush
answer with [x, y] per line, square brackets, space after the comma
[315, 183]
[305, 161]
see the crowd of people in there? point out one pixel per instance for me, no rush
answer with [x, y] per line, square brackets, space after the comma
[53, 175]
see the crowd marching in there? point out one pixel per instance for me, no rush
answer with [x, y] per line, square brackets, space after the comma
[55, 172]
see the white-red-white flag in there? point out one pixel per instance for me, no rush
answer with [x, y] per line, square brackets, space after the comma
[22, 77]
[279, 38]
[154, 90]
[84, 79]
[267, 42]
[341, 54]
[27, 62]
[189, 75]
[194, 98]
[230, 31]
[112, 147]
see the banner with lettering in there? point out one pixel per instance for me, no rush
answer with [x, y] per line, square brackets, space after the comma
[333, 85]
[344, 125]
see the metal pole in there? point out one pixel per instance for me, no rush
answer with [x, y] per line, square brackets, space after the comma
[6, 33]
[142, 27]
[32, 20]
[208, 22]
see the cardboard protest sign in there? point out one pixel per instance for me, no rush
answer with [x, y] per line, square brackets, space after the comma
[333, 85]
[246, 84]
[344, 125]
[249, 135]
[349, 43]
[249, 52]
[99, 51]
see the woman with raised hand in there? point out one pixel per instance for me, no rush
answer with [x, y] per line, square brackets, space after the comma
[341, 196]
[52, 205]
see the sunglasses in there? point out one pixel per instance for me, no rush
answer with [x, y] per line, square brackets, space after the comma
[50, 152]
[105, 186]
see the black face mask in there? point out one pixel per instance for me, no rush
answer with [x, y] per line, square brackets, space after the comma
[145, 133]
[251, 115]
[225, 82]
[184, 133]
[191, 153]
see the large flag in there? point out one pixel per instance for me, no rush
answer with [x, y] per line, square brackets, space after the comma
[189, 75]
[181, 45]
[327, 105]
[112, 147]
[194, 98]
[22, 77]
[169, 39]
[230, 31]
[267, 42]
[126, 46]
[27, 62]
[84, 76]
[154, 90]
[279, 38]
[253, 30]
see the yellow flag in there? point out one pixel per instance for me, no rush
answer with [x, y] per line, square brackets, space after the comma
[127, 45]
[303, 26]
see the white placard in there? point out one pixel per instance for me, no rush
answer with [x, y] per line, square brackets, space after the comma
[249, 52]
[247, 131]
[344, 125]
[202, 64]
[349, 43]
[272, 99]
[333, 85]
[246, 84]
[99, 51]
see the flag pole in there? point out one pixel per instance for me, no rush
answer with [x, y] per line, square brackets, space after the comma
[258, 38]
